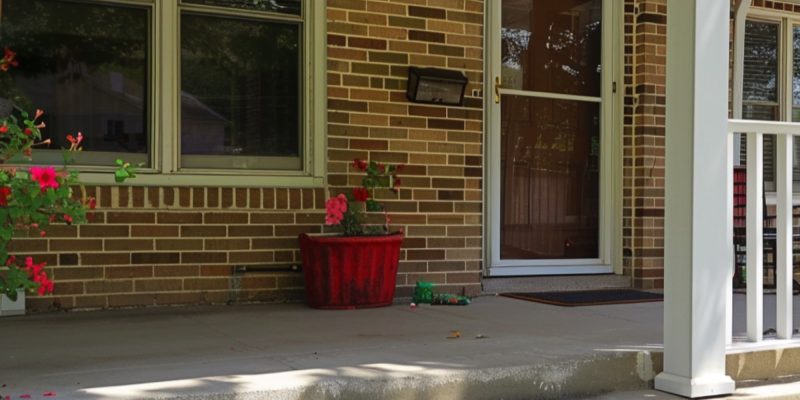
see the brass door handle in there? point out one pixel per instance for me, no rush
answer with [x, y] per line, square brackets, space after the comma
[497, 86]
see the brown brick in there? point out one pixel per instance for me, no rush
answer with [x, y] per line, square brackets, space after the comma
[366, 43]
[129, 300]
[179, 244]
[108, 286]
[77, 273]
[62, 231]
[68, 288]
[206, 284]
[250, 230]
[137, 196]
[204, 257]
[198, 197]
[212, 197]
[276, 243]
[128, 244]
[203, 231]
[76, 245]
[227, 244]
[153, 197]
[105, 258]
[225, 218]
[426, 36]
[251, 257]
[158, 285]
[154, 231]
[155, 258]
[271, 218]
[130, 217]
[216, 270]
[427, 12]
[180, 218]
[128, 272]
[169, 196]
[176, 270]
[103, 231]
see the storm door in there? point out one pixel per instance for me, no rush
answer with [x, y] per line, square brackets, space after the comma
[546, 135]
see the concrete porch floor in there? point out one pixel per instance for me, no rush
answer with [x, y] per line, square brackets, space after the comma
[530, 350]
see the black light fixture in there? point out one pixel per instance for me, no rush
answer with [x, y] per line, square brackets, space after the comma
[436, 86]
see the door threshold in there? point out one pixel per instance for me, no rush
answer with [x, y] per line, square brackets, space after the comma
[554, 283]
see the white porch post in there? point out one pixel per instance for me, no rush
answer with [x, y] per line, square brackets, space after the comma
[697, 246]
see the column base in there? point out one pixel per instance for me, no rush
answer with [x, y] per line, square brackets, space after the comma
[714, 385]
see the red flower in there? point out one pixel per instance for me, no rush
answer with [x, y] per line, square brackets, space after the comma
[92, 203]
[46, 176]
[3, 129]
[28, 131]
[5, 191]
[360, 194]
[8, 60]
[381, 168]
[359, 164]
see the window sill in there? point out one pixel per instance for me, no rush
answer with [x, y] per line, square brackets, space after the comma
[205, 180]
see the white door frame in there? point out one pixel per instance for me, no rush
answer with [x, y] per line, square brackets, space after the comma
[610, 224]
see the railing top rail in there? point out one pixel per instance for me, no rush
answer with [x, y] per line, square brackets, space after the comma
[767, 127]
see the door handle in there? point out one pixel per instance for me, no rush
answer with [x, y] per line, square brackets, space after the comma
[497, 87]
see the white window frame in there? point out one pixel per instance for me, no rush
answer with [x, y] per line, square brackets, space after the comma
[164, 124]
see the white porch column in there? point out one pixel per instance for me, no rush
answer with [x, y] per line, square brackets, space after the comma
[697, 246]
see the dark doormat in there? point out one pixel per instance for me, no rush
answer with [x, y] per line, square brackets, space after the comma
[589, 297]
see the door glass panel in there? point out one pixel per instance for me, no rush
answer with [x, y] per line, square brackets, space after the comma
[552, 46]
[550, 158]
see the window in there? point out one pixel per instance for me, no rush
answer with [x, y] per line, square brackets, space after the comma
[191, 89]
[768, 93]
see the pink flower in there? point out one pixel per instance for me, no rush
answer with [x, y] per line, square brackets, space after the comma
[46, 176]
[335, 208]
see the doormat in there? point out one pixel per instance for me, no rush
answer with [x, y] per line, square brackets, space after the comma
[589, 297]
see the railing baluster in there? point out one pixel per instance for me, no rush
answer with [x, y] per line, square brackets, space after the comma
[729, 163]
[783, 247]
[755, 237]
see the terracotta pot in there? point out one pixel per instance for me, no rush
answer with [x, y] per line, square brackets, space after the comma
[350, 272]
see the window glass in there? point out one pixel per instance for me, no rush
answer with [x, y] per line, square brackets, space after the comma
[240, 93]
[760, 95]
[552, 46]
[761, 62]
[87, 65]
[281, 6]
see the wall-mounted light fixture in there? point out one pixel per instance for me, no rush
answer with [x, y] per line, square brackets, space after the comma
[436, 86]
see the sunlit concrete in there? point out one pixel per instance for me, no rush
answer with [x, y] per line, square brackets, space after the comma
[528, 350]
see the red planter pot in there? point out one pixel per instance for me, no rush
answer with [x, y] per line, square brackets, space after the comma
[350, 272]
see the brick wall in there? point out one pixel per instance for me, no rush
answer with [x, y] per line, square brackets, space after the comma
[370, 46]
[643, 141]
[156, 246]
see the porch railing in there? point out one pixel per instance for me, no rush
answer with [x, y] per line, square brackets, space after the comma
[785, 133]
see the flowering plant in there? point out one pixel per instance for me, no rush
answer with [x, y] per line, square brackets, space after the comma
[348, 210]
[32, 198]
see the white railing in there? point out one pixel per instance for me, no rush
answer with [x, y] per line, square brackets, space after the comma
[784, 132]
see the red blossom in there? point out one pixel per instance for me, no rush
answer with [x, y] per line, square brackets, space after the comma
[359, 164]
[5, 191]
[28, 131]
[9, 60]
[360, 194]
[3, 130]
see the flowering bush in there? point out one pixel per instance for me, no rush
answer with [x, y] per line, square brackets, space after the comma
[348, 211]
[32, 198]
